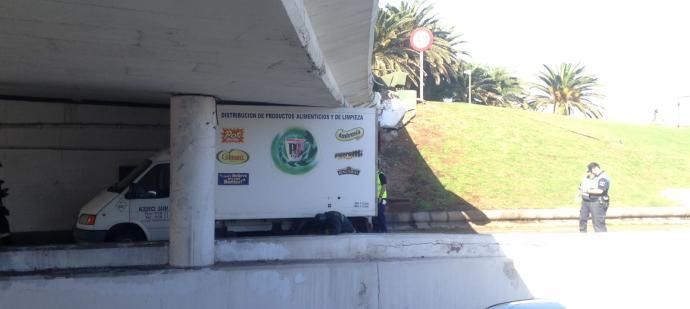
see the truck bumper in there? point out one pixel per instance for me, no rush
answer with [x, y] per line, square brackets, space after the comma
[89, 235]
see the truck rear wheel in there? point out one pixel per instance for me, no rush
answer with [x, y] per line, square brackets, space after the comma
[125, 233]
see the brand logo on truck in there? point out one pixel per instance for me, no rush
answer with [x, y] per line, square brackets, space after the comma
[294, 151]
[349, 135]
[348, 171]
[232, 156]
[232, 135]
[233, 179]
[349, 155]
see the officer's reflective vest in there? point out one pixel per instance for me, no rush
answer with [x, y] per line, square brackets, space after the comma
[381, 192]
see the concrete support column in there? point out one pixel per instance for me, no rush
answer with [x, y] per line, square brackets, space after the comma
[192, 153]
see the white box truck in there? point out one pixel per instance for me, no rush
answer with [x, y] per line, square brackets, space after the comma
[275, 166]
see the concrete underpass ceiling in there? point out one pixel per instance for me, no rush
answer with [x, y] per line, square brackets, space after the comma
[312, 52]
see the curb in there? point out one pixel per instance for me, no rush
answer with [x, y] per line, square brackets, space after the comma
[423, 218]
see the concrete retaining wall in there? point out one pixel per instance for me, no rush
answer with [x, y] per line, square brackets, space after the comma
[614, 270]
[357, 247]
[459, 220]
[66, 257]
[57, 156]
[347, 285]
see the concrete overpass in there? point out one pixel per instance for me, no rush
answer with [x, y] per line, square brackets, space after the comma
[300, 52]
[86, 87]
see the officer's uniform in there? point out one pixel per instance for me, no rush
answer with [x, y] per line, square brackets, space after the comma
[596, 204]
[381, 196]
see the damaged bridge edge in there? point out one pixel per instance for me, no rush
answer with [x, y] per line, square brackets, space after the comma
[297, 249]
[300, 20]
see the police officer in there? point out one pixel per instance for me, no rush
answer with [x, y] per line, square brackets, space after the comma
[595, 198]
[381, 196]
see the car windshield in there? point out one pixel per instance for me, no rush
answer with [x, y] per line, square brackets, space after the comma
[119, 186]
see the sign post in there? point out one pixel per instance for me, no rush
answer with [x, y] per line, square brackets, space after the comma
[421, 39]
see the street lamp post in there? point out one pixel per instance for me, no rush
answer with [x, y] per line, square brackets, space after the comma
[678, 112]
[421, 76]
[469, 86]
[678, 108]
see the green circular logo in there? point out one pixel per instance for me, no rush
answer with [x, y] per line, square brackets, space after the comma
[294, 151]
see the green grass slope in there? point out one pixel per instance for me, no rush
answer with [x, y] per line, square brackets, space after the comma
[461, 155]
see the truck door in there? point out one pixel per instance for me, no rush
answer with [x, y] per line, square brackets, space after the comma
[149, 201]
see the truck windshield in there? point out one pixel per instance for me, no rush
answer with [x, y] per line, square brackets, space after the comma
[119, 186]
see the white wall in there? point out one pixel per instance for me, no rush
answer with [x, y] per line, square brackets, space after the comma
[57, 156]
[611, 270]
[432, 283]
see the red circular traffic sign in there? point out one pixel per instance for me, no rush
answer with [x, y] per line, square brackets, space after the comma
[421, 39]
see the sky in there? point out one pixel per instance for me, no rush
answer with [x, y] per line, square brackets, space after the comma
[639, 50]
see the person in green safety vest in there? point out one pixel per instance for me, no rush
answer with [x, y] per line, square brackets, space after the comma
[381, 196]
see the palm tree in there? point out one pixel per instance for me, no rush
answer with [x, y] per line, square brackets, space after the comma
[392, 51]
[568, 89]
[490, 86]
[485, 90]
[509, 86]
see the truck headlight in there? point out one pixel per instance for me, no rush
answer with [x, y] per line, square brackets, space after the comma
[87, 219]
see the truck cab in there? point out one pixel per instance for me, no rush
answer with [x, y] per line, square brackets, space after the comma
[133, 209]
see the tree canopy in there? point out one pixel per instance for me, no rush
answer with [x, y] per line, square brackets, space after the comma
[392, 51]
[566, 89]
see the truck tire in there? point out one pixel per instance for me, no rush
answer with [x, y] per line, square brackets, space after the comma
[125, 233]
[336, 223]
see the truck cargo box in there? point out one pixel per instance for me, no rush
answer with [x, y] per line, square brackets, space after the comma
[294, 162]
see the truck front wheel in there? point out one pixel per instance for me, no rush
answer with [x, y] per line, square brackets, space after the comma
[125, 233]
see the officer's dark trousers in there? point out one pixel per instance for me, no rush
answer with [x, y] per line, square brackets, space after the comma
[380, 220]
[598, 211]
